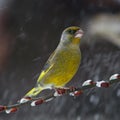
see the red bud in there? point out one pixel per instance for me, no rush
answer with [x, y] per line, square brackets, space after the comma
[2, 108]
[38, 102]
[118, 76]
[61, 90]
[77, 93]
[11, 110]
[105, 84]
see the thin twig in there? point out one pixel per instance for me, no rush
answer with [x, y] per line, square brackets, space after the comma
[88, 84]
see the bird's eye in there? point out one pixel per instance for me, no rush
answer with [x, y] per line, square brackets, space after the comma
[71, 31]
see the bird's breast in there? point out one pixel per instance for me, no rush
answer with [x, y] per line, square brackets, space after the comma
[70, 61]
[66, 63]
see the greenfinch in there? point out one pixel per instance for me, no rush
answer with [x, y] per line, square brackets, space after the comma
[62, 64]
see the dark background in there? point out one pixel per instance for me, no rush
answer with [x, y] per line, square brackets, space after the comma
[29, 31]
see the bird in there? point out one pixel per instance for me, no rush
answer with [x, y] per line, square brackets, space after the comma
[62, 64]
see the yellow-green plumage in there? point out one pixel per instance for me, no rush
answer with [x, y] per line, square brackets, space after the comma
[61, 65]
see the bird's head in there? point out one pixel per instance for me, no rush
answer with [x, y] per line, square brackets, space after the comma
[71, 35]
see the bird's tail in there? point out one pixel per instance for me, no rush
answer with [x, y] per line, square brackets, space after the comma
[34, 92]
[31, 94]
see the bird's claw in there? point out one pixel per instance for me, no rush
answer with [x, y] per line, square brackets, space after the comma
[60, 91]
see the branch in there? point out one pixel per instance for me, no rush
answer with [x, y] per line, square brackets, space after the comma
[72, 91]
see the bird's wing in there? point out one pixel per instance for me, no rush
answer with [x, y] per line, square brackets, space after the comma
[48, 65]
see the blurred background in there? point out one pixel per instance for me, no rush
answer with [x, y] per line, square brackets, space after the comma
[30, 30]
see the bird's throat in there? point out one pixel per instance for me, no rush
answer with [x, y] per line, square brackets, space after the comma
[76, 41]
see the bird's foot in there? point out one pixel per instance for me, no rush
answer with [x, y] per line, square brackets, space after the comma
[61, 91]
[65, 90]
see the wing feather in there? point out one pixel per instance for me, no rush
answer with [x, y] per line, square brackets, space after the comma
[48, 65]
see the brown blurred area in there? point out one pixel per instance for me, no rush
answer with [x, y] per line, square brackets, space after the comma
[6, 40]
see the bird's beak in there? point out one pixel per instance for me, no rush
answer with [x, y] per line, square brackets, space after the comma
[79, 34]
